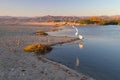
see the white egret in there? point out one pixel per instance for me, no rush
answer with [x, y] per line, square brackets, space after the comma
[80, 37]
[76, 29]
[76, 33]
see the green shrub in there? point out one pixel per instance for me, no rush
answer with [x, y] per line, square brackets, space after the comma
[86, 22]
[111, 23]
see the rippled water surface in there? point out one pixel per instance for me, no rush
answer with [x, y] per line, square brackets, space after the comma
[97, 55]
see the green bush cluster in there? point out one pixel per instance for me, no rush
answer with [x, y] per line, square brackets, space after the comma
[99, 22]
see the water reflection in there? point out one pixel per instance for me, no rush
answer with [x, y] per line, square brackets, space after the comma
[80, 44]
[105, 65]
[77, 63]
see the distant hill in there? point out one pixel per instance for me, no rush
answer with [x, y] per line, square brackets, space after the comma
[48, 18]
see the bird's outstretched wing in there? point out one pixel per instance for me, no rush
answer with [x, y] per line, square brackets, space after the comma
[76, 29]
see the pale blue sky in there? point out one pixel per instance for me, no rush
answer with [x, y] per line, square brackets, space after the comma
[59, 7]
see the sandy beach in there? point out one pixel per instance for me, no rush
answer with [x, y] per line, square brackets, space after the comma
[15, 64]
[51, 23]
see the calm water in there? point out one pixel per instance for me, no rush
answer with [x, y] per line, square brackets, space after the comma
[98, 55]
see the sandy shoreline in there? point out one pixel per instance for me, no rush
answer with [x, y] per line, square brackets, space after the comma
[15, 64]
[52, 23]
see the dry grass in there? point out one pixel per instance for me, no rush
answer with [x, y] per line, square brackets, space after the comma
[38, 48]
[40, 32]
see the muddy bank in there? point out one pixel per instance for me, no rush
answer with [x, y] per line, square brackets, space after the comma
[15, 64]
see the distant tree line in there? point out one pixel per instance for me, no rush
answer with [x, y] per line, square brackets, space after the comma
[94, 20]
[101, 22]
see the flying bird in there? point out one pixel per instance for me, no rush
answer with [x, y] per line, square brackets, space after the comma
[76, 33]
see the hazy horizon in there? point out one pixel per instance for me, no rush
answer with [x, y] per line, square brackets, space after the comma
[34, 8]
[59, 15]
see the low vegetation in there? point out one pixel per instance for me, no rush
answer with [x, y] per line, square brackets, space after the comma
[98, 21]
[61, 21]
[40, 32]
[38, 48]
